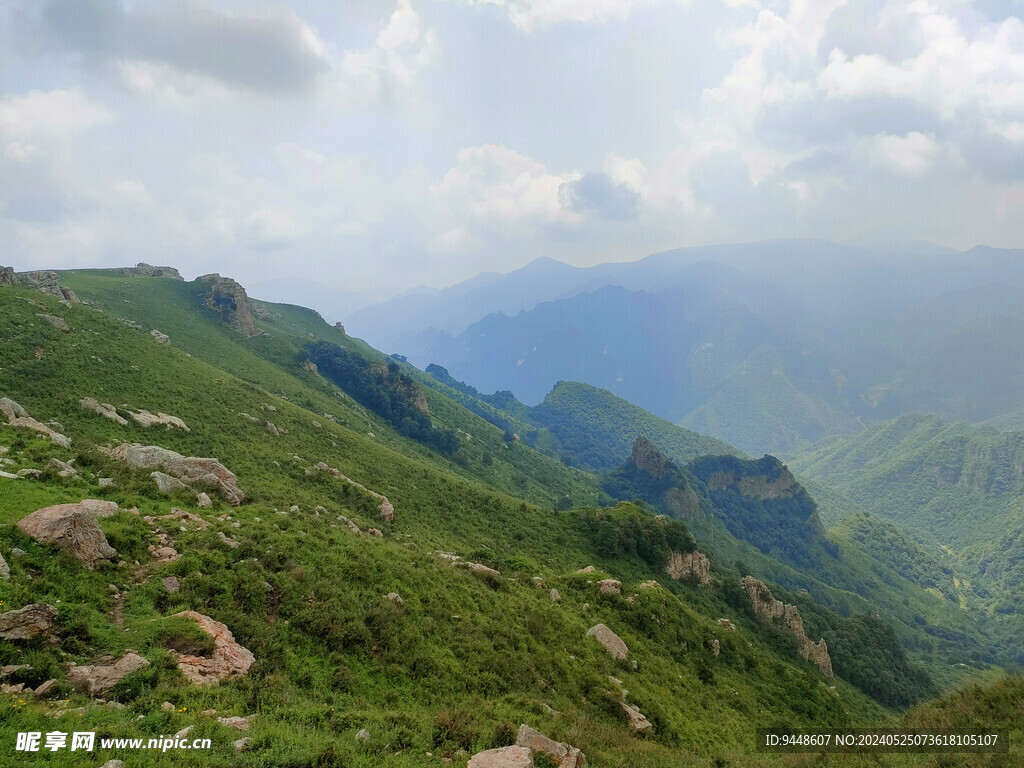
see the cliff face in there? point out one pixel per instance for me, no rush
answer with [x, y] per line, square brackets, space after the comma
[778, 483]
[771, 611]
[682, 564]
[229, 300]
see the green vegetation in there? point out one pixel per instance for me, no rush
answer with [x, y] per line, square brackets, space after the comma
[461, 660]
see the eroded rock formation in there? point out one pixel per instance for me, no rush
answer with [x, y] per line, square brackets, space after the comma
[229, 300]
[609, 641]
[191, 470]
[683, 564]
[769, 610]
[228, 659]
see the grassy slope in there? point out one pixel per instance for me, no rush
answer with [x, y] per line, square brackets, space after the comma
[306, 597]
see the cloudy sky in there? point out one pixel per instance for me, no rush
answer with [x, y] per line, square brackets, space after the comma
[376, 145]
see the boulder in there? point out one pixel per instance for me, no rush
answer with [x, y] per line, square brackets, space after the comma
[28, 622]
[768, 610]
[167, 484]
[103, 409]
[588, 569]
[163, 338]
[44, 688]
[609, 641]
[395, 598]
[5, 569]
[561, 754]
[363, 735]
[610, 586]
[716, 647]
[505, 757]
[191, 470]
[683, 564]
[203, 500]
[241, 745]
[482, 570]
[554, 596]
[63, 468]
[171, 584]
[727, 624]
[115, 763]
[637, 722]
[56, 322]
[228, 659]
[238, 723]
[98, 679]
[74, 529]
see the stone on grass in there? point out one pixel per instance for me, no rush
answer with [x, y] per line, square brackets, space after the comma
[73, 528]
[98, 679]
[609, 641]
[505, 757]
[563, 755]
[228, 659]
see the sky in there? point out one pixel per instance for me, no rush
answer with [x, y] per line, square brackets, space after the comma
[377, 145]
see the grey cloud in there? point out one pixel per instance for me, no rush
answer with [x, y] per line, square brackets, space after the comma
[598, 193]
[267, 52]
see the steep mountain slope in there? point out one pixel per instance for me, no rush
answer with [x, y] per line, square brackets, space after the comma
[455, 660]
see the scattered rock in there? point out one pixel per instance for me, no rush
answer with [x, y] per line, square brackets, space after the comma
[716, 647]
[505, 757]
[609, 641]
[171, 584]
[10, 669]
[5, 569]
[103, 409]
[395, 598]
[73, 528]
[771, 611]
[14, 689]
[165, 554]
[44, 688]
[63, 468]
[189, 469]
[553, 594]
[56, 322]
[610, 586]
[363, 735]
[682, 564]
[28, 472]
[209, 713]
[238, 723]
[203, 500]
[227, 660]
[272, 429]
[588, 569]
[563, 755]
[184, 732]
[18, 417]
[227, 540]
[375, 532]
[98, 679]
[482, 570]
[650, 585]
[637, 722]
[113, 764]
[146, 419]
[17, 553]
[727, 624]
[105, 482]
[241, 744]
[387, 511]
[163, 338]
[168, 707]
[538, 582]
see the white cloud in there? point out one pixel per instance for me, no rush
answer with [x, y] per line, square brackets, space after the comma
[49, 112]
[911, 155]
[530, 15]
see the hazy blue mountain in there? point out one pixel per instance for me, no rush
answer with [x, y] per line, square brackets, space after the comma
[332, 303]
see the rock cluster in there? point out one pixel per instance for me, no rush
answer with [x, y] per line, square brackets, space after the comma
[74, 529]
[769, 610]
[18, 417]
[103, 409]
[43, 281]
[387, 511]
[228, 658]
[191, 470]
[148, 270]
[637, 722]
[683, 564]
[561, 754]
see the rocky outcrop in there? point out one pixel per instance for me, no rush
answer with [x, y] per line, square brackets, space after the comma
[103, 409]
[74, 529]
[504, 757]
[610, 586]
[609, 641]
[148, 270]
[637, 722]
[163, 338]
[768, 610]
[43, 281]
[387, 511]
[191, 470]
[18, 417]
[684, 564]
[231, 303]
[98, 679]
[561, 754]
[33, 620]
[649, 459]
[774, 481]
[146, 419]
[167, 484]
[229, 659]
